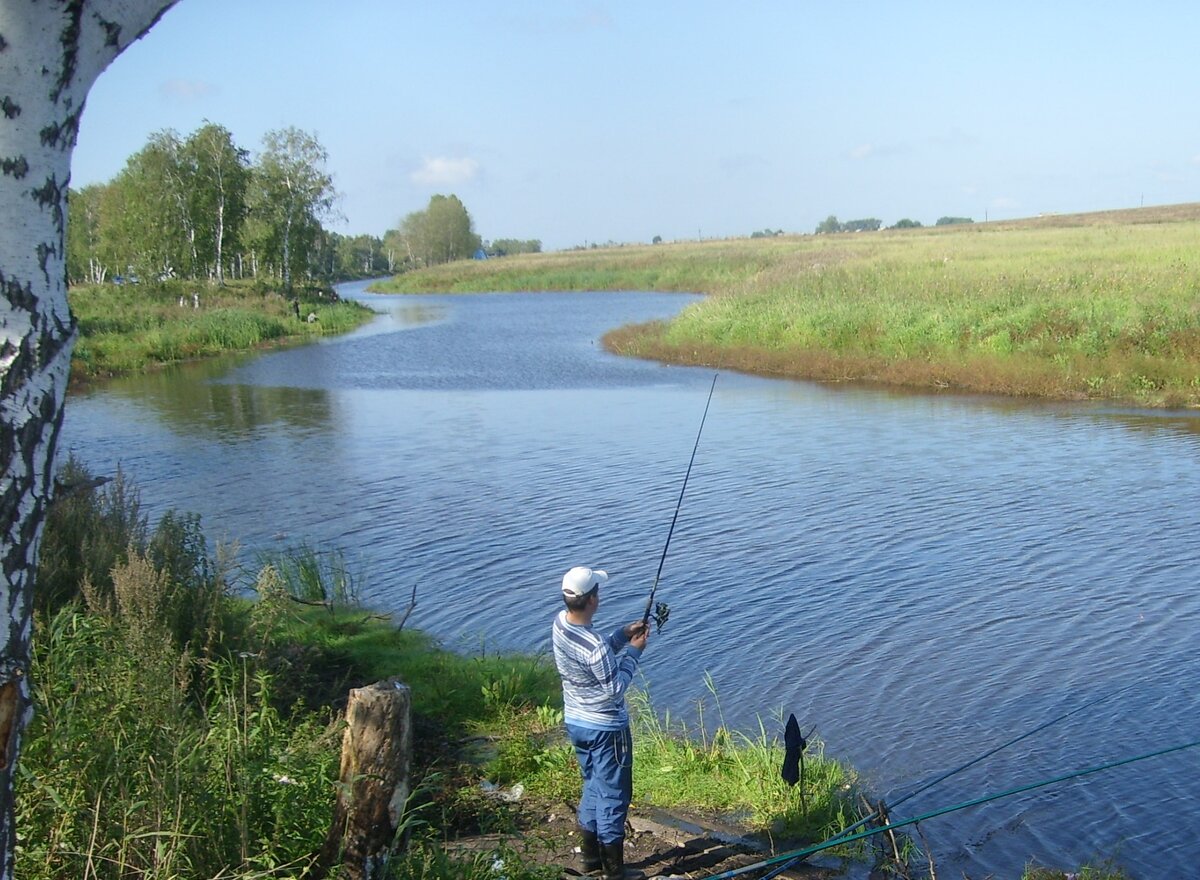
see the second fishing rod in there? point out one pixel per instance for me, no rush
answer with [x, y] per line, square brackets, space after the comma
[662, 610]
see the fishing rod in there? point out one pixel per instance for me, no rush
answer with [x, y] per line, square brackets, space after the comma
[913, 820]
[660, 613]
[843, 835]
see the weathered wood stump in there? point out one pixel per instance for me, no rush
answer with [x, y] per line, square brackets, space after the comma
[373, 783]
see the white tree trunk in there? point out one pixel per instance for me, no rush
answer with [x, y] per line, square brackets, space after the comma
[51, 51]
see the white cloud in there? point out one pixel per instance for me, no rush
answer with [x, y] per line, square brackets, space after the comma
[443, 171]
[187, 90]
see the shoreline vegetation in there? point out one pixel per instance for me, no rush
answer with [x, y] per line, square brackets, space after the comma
[189, 713]
[189, 720]
[1102, 306]
[131, 328]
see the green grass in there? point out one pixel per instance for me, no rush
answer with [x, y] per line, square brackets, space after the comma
[720, 772]
[130, 328]
[1101, 871]
[1103, 306]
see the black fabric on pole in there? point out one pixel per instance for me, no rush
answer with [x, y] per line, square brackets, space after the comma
[793, 750]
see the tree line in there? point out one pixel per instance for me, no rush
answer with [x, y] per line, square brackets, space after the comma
[872, 224]
[198, 207]
[201, 207]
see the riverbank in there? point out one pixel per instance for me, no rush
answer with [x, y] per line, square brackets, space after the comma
[132, 328]
[1090, 306]
[184, 731]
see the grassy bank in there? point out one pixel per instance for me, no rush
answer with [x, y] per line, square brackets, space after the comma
[1099, 306]
[184, 731]
[131, 328]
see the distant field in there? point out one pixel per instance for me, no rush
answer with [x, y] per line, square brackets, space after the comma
[1103, 305]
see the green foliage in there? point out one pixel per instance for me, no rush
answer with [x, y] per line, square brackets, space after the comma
[88, 532]
[829, 224]
[503, 247]
[720, 771]
[316, 577]
[181, 208]
[728, 772]
[442, 233]
[290, 194]
[952, 221]
[870, 224]
[907, 224]
[124, 774]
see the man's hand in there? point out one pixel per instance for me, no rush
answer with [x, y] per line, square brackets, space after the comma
[637, 633]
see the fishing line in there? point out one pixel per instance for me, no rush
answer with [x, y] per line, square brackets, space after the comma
[832, 842]
[662, 611]
[842, 835]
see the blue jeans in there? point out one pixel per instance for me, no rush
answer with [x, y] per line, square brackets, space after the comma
[606, 761]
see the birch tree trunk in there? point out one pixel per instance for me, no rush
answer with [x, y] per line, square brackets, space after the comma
[51, 51]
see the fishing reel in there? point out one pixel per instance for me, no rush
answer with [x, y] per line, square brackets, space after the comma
[661, 613]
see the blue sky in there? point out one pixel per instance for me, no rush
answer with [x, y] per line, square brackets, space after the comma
[579, 122]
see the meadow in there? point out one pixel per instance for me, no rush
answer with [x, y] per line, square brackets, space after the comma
[1099, 306]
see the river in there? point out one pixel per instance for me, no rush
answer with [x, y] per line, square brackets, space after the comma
[921, 577]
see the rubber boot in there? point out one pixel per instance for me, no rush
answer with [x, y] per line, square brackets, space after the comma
[589, 849]
[613, 857]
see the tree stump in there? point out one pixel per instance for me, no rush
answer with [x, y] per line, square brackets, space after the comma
[373, 784]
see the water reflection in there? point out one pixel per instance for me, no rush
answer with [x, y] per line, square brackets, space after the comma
[191, 401]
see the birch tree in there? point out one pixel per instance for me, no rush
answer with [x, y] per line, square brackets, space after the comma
[292, 192]
[220, 176]
[51, 52]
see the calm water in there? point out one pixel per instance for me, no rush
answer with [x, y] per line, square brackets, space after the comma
[922, 578]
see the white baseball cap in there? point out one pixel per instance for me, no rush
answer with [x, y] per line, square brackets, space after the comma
[581, 580]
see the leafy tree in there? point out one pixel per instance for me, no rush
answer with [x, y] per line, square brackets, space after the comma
[150, 216]
[219, 175]
[829, 224]
[397, 253]
[359, 256]
[870, 224]
[442, 232]
[656, 240]
[951, 221]
[907, 224]
[84, 262]
[290, 193]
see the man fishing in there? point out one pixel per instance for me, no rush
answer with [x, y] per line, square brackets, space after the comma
[596, 670]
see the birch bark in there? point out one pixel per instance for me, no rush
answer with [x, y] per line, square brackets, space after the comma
[51, 52]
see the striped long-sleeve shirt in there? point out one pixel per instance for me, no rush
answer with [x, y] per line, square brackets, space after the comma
[595, 673]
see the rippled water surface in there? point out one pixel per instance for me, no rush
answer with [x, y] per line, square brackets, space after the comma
[922, 578]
